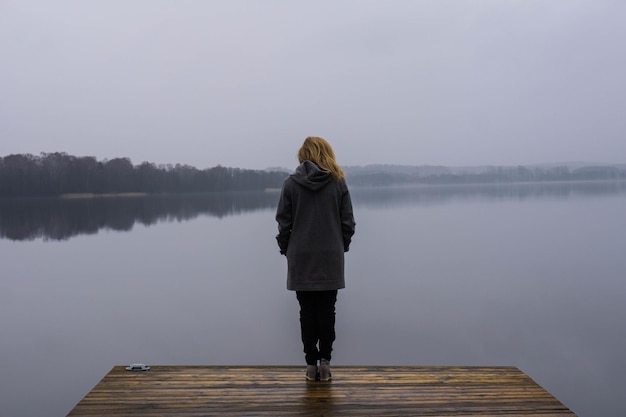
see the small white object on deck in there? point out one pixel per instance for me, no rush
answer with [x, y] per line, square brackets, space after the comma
[137, 367]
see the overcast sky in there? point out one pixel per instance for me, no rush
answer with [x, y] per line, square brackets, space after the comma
[242, 83]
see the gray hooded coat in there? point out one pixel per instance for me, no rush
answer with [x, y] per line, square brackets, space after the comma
[315, 227]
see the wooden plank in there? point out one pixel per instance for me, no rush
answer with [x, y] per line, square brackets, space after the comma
[191, 391]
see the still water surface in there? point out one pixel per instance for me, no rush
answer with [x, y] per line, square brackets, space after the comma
[530, 276]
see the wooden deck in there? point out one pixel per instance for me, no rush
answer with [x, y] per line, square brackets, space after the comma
[190, 391]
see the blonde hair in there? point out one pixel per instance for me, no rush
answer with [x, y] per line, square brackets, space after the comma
[319, 151]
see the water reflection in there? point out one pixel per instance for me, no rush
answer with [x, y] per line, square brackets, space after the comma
[317, 399]
[429, 195]
[61, 219]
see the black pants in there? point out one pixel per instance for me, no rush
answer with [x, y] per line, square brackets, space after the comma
[317, 323]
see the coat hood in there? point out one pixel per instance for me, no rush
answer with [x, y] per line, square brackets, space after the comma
[311, 176]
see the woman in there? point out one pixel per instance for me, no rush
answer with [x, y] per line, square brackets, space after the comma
[315, 227]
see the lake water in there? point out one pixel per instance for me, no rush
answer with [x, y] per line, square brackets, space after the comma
[524, 275]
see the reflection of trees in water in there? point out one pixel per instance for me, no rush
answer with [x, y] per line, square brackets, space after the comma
[415, 195]
[60, 219]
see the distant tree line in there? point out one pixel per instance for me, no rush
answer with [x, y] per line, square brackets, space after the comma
[52, 174]
[392, 175]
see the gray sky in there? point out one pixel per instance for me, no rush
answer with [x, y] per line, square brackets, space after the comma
[241, 83]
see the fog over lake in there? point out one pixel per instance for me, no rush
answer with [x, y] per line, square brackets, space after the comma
[525, 275]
